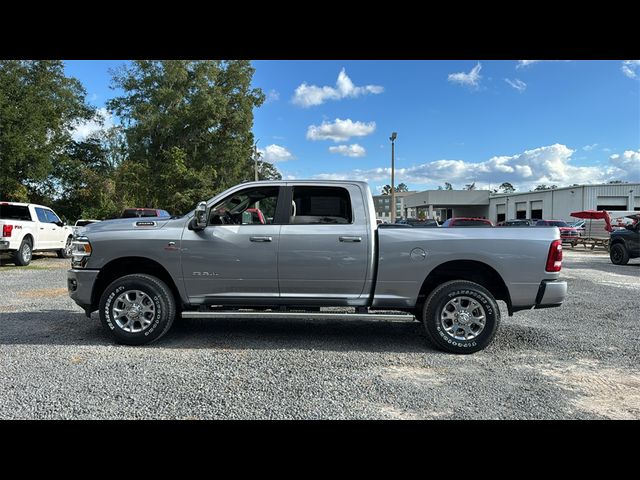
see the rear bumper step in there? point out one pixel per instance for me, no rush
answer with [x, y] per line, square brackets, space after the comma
[284, 315]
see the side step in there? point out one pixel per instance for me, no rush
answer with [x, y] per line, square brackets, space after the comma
[283, 315]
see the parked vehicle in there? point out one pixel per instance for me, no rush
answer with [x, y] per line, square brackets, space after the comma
[28, 228]
[144, 212]
[83, 223]
[568, 234]
[467, 222]
[323, 248]
[426, 223]
[517, 222]
[625, 243]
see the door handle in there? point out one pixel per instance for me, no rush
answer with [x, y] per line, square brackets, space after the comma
[260, 239]
[350, 239]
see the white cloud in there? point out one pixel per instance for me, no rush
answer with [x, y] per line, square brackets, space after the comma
[517, 84]
[354, 150]
[340, 130]
[630, 67]
[309, 95]
[102, 120]
[550, 164]
[588, 148]
[276, 153]
[628, 163]
[471, 79]
[526, 63]
[272, 96]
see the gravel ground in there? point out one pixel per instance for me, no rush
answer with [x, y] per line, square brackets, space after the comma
[578, 361]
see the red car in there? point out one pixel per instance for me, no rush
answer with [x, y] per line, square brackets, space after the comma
[467, 222]
[568, 234]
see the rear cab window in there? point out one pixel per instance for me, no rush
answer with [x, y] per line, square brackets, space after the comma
[15, 212]
[320, 206]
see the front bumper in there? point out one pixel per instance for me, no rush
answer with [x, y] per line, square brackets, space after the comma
[80, 286]
[551, 294]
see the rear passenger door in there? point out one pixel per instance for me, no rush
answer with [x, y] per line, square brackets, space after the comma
[323, 251]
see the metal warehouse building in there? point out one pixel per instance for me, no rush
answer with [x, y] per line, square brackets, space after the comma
[555, 204]
[558, 203]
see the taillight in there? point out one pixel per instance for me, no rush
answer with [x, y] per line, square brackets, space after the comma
[554, 259]
[6, 230]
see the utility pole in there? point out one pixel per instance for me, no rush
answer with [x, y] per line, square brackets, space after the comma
[393, 137]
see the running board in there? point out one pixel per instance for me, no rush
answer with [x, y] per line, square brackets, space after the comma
[283, 315]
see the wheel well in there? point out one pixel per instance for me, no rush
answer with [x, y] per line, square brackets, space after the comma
[470, 270]
[29, 237]
[127, 266]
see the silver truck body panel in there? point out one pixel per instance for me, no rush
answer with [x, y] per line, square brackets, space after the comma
[319, 264]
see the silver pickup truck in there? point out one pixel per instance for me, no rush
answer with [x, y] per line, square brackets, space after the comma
[293, 248]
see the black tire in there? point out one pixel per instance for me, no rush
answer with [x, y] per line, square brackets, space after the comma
[65, 252]
[23, 256]
[161, 318]
[463, 290]
[618, 254]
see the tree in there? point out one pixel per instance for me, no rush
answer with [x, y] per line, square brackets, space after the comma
[506, 187]
[188, 130]
[470, 186]
[402, 187]
[39, 106]
[542, 186]
[448, 186]
[616, 181]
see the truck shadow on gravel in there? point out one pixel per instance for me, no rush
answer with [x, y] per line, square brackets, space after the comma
[62, 327]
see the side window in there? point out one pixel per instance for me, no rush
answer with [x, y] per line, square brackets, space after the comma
[254, 206]
[321, 205]
[42, 216]
[51, 217]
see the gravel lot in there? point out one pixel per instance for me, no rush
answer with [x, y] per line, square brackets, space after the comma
[577, 361]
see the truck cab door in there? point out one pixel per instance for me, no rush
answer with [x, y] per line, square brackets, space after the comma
[45, 231]
[325, 247]
[235, 256]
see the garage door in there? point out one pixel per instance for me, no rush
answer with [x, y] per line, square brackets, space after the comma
[521, 209]
[536, 209]
[501, 212]
[612, 203]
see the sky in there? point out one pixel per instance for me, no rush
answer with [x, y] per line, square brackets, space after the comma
[484, 122]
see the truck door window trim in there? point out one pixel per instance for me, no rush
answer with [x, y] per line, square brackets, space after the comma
[277, 218]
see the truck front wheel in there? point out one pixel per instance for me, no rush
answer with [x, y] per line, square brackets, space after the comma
[137, 309]
[619, 254]
[460, 317]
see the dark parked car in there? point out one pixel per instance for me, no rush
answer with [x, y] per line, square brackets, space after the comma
[144, 212]
[467, 222]
[625, 243]
[416, 222]
[568, 233]
[517, 222]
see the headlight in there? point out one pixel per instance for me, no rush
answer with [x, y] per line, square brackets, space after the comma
[80, 251]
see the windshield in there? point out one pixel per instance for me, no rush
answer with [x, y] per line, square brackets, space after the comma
[14, 212]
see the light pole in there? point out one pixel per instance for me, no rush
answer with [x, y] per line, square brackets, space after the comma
[255, 159]
[393, 137]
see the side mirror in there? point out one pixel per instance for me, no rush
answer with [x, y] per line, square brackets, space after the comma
[200, 220]
[60, 224]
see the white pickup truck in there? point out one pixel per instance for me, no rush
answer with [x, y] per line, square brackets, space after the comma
[28, 228]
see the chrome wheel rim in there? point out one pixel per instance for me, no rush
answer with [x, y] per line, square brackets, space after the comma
[463, 318]
[133, 311]
[26, 252]
[67, 247]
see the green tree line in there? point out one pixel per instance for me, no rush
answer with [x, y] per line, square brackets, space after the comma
[184, 135]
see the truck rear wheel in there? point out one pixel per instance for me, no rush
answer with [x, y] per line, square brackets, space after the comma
[22, 257]
[137, 309]
[460, 317]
